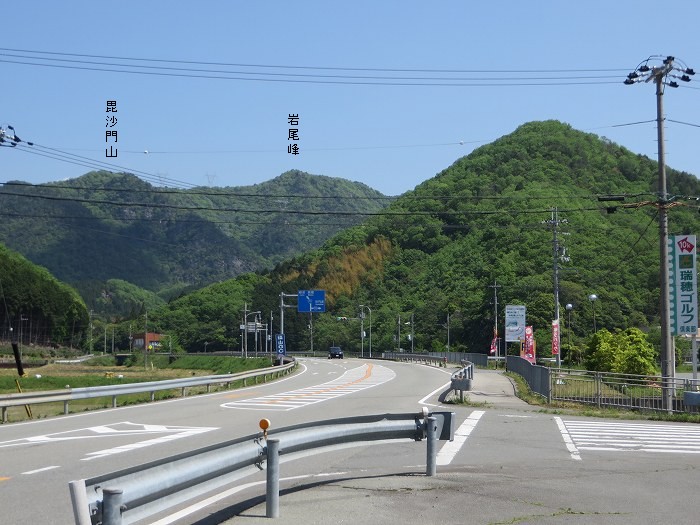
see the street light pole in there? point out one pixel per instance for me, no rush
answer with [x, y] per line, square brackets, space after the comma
[660, 76]
[593, 298]
[569, 307]
[362, 307]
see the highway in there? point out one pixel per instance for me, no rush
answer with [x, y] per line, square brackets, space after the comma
[509, 461]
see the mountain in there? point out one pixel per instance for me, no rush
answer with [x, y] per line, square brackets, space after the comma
[474, 238]
[37, 308]
[106, 226]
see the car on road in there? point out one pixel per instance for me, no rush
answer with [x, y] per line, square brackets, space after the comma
[335, 352]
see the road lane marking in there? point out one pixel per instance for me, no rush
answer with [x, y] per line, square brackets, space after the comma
[354, 380]
[187, 399]
[571, 447]
[29, 472]
[627, 437]
[450, 449]
[225, 494]
[4, 479]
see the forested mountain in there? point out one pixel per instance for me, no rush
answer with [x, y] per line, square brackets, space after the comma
[103, 231]
[483, 226]
[36, 308]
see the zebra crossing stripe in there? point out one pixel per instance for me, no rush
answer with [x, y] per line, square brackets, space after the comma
[627, 437]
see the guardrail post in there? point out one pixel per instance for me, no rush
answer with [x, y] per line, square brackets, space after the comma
[272, 507]
[431, 463]
[153, 396]
[598, 388]
[112, 506]
[4, 414]
[65, 408]
[114, 401]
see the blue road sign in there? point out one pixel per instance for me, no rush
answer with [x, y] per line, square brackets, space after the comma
[311, 301]
[280, 344]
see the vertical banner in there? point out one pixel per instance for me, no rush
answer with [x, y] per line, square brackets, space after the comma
[494, 346]
[555, 337]
[683, 300]
[528, 346]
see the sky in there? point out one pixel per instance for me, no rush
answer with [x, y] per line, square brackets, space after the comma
[483, 69]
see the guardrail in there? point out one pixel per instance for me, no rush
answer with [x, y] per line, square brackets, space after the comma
[72, 394]
[134, 494]
[417, 358]
[462, 379]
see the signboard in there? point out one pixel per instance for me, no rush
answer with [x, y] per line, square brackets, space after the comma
[683, 300]
[515, 323]
[280, 344]
[311, 301]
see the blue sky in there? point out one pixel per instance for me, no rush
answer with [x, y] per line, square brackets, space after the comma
[215, 132]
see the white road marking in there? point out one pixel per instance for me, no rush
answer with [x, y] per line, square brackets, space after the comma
[303, 370]
[575, 454]
[626, 436]
[225, 494]
[450, 449]
[29, 472]
[354, 380]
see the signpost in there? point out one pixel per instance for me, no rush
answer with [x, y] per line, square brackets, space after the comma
[310, 301]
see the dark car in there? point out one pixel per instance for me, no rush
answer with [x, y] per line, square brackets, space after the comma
[335, 352]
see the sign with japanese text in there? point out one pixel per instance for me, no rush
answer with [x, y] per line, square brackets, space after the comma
[515, 323]
[311, 301]
[280, 344]
[527, 349]
[683, 300]
[555, 337]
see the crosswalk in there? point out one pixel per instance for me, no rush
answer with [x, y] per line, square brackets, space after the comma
[354, 380]
[581, 435]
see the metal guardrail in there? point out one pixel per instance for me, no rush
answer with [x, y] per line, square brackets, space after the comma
[416, 358]
[134, 494]
[462, 379]
[72, 394]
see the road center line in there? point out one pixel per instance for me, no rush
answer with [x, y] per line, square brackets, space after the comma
[449, 450]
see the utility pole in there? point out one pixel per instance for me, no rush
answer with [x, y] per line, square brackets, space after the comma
[495, 287]
[554, 223]
[659, 75]
[90, 334]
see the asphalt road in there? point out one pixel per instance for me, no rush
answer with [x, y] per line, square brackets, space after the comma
[509, 463]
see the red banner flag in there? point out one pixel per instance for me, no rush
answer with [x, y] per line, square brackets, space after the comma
[528, 347]
[494, 345]
[555, 337]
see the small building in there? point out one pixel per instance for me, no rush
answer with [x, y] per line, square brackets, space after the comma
[152, 341]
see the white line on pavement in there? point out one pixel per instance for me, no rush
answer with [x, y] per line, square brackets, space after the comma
[450, 449]
[575, 454]
[40, 470]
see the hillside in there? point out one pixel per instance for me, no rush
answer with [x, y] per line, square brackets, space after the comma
[105, 226]
[36, 308]
[478, 227]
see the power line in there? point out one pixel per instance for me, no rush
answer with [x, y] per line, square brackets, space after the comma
[327, 68]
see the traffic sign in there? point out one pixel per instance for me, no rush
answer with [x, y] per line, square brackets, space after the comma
[280, 344]
[311, 301]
